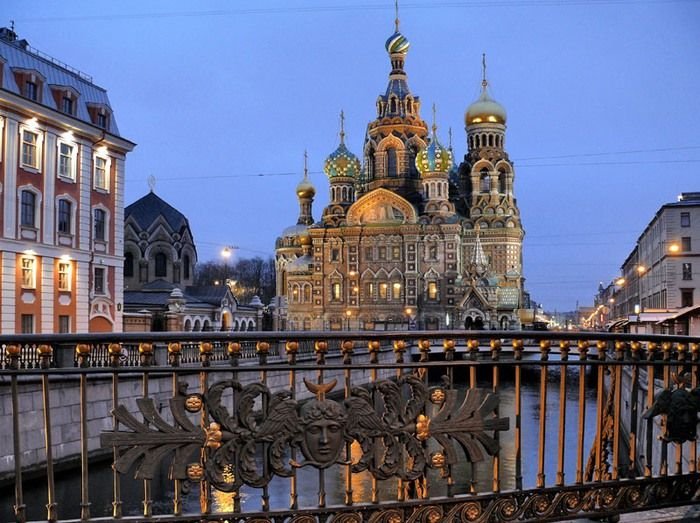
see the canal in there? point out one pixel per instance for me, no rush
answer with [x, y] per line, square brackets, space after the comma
[68, 482]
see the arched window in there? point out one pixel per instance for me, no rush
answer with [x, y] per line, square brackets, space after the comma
[392, 163]
[485, 185]
[490, 140]
[412, 153]
[186, 266]
[393, 105]
[128, 265]
[477, 140]
[409, 105]
[307, 293]
[370, 164]
[502, 182]
[161, 265]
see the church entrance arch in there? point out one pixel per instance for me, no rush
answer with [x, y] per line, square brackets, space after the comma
[474, 321]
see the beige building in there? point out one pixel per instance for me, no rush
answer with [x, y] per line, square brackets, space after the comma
[62, 177]
[409, 239]
[659, 287]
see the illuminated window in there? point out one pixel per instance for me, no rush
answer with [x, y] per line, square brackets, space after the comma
[307, 293]
[382, 253]
[65, 209]
[336, 291]
[395, 252]
[99, 282]
[369, 291]
[66, 160]
[28, 273]
[99, 224]
[28, 211]
[687, 271]
[432, 290]
[100, 175]
[396, 291]
[30, 148]
[64, 276]
[383, 291]
[685, 219]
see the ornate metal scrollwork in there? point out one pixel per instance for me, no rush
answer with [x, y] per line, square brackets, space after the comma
[392, 420]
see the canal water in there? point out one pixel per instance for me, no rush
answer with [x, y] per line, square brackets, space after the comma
[100, 485]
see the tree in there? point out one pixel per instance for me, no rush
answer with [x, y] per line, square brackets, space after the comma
[248, 276]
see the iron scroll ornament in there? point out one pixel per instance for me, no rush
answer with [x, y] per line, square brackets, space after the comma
[392, 420]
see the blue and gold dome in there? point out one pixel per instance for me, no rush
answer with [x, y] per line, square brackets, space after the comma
[434, 159]
[342, 162]
[397, 43]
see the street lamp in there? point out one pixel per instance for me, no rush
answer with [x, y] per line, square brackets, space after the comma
[408, 311]
[348, 315]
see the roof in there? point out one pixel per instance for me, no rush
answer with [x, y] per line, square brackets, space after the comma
[212, 294]
[682, 312]
[17, 54]
[146, 210]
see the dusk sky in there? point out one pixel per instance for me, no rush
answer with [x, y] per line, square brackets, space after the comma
[222, 98]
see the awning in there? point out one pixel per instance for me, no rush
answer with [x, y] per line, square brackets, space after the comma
[680, 313]
[617, 325]
[650, 317]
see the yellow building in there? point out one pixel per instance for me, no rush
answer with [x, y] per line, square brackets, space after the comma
[408, 240]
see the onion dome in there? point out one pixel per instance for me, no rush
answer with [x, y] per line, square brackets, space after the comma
[485, 109]
[341, 162]
[434, 158]
[397, 43]
[305, 189]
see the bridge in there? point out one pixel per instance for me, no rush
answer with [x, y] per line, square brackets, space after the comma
[351, 427]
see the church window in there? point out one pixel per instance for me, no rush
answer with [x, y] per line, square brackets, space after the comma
[128, 265]
[369, 291]
[368, 253]
[502, 182]
[432, 252]
[485, 185]
[490, 140]
[307, 293]
[477, 140]
[393, 105]
[382, 253]
[395, 252]
[392, 163]
[383, 291]
[336, 291]
[161, 270]
[396, 291]
[432, 290]
[409, 105]
[335, 254]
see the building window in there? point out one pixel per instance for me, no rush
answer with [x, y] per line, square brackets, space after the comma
[64, 273]
[99, 283]
[99, 224]
[396, 291]
[28, 213]
[686, 297]
[392, 163]
[369, 291]
[66, 160]
[27, 324]
[336, 291]
[186, 267]
[368, 253]
[307, 293]
[63, 324]
[101, 181]
[335, 254]
[161, 265]
[432, 290]
[685, 219]
[28, 273]
[686, 244]
[432, 252]
[64, 216]
[687, 271]
[102, 120]
[382, 253]
[30, 144]
[383, 291]
[128, 265]
[67, 105]
[395, 252]
[31, 90]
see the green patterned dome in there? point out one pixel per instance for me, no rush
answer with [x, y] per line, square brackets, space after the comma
[397, 43]
[434, 159]
[342, 162]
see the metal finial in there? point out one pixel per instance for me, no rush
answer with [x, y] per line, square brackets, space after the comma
[306, 167]
[484, 82]
[12, 26]
[434, 119]
[396, 20]
[342, 126]
[152, 183]
[449, 134]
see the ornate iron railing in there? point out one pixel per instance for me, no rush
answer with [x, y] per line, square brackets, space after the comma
[358, 427]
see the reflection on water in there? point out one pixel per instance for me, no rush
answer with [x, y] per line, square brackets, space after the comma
[68, 483]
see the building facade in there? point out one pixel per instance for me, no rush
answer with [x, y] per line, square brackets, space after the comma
[159, 263]
[409, 239]
[62, 177]
[659, 290]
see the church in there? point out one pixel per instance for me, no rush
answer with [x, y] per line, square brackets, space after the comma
[410, 239]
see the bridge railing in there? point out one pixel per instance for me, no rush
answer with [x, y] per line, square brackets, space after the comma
[352, 426]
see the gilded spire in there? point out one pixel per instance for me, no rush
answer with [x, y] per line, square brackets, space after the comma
[342, 127]
[396, 20]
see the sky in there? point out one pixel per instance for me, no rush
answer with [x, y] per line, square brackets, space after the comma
[223, 98]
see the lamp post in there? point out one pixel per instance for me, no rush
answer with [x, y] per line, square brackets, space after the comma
[348, 315]
[226, 254]
[408, 311]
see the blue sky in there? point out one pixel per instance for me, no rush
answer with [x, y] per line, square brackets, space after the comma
[602, 101]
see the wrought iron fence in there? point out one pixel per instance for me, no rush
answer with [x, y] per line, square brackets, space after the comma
[361, 427]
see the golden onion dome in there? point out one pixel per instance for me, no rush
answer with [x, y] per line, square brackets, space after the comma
[305, 239]
[305, 189]
[485, 110]
[397, 43]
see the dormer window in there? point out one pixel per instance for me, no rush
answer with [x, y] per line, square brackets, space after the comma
[100, 115]
[31, 91]
[67, 105]
[66, 98]
[30, 83]
[102, 121]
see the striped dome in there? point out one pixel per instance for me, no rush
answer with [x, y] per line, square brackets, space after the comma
[397, 43]
[342, 162]
[434, 159]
